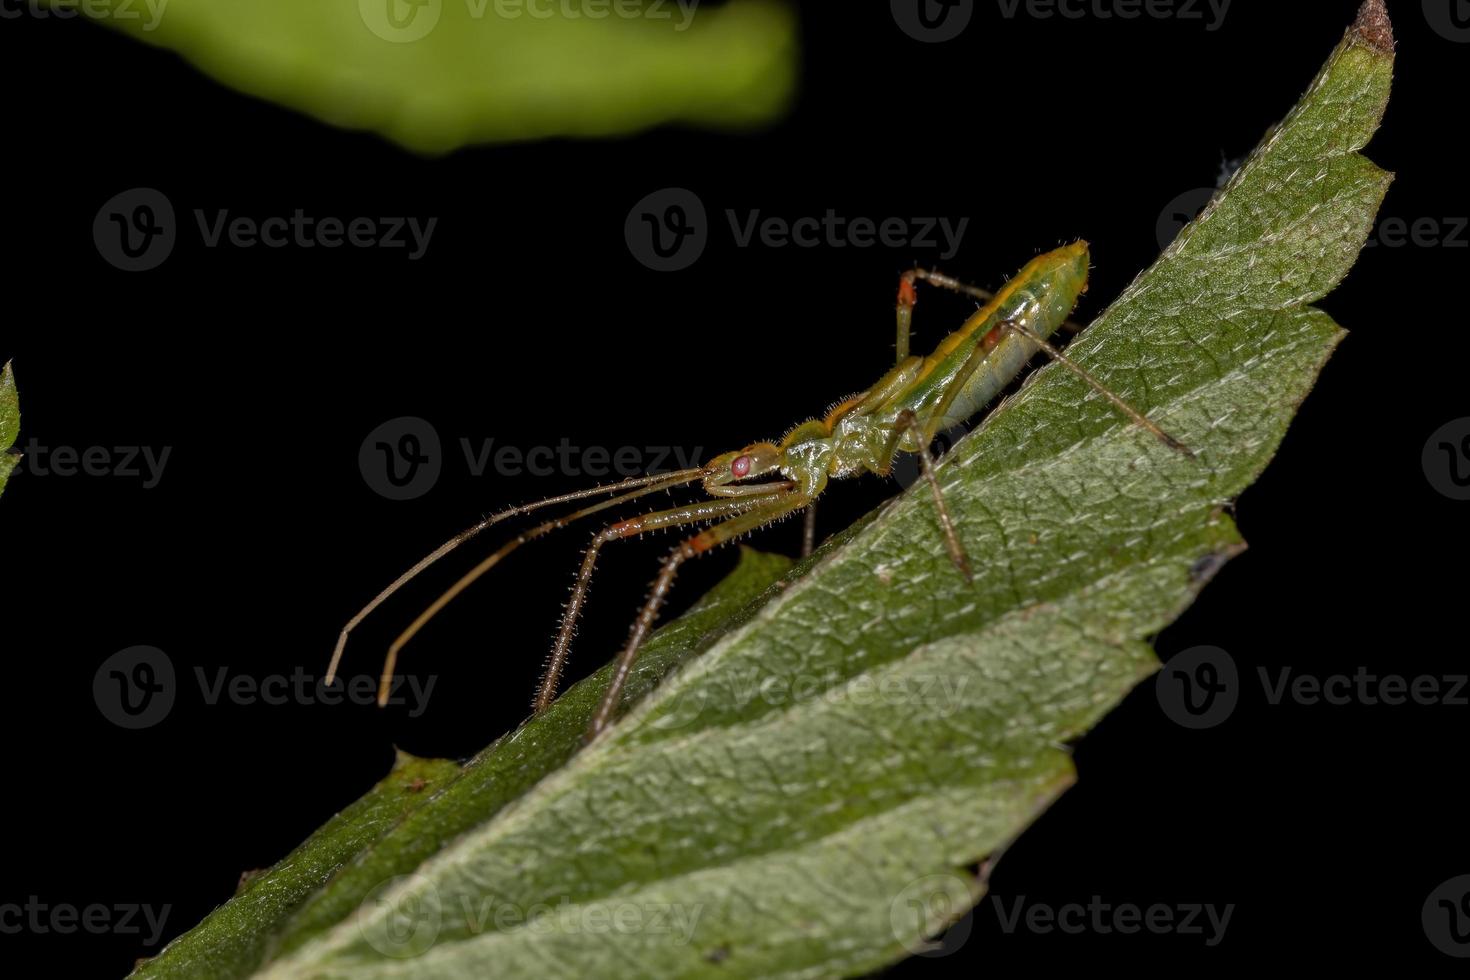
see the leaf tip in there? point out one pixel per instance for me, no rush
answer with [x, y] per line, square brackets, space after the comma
[1373, 27]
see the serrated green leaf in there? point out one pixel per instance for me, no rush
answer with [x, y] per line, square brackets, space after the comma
[9, 423]
[236, 938]
[803, 798]
[437, 74]
[233, 938]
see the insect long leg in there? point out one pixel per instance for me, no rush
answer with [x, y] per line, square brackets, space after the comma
[907, 423]
[947, 282]
[906, 301]
[809, 531]
[773, 509]
[1097, 386]
[983, 295]
[674, 517]
[683, 476]
[390, 662]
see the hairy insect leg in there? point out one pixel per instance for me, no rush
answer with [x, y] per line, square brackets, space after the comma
[983, 295]
[923, 432]
[906, 300]
[684, 476]
[809, 531]
[674, 517]
[390, 662]
[772, 509]
[947, 282]
[907, 423]
[1097, 386]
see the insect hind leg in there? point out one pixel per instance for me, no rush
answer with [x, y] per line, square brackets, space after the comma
[1113, 397]
[950, 283]
[906, 424]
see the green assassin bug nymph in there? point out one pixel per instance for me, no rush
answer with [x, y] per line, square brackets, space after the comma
[764, 482]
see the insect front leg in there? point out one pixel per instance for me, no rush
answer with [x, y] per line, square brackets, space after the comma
[773, 508]
[675, 517]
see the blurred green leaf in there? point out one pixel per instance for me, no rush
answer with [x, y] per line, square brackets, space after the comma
[9, 423]
[437, 74]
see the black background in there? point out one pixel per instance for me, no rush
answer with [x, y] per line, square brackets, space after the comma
[528, 321]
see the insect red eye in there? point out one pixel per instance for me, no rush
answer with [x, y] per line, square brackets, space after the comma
[740, 466]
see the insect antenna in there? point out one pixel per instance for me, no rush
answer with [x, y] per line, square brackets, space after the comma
[650, 483]
[390, 662]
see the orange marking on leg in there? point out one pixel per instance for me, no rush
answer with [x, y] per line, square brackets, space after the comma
[906, 294]
[702, 542]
